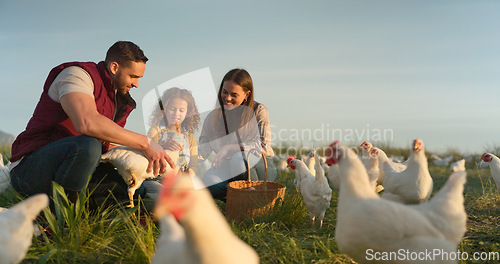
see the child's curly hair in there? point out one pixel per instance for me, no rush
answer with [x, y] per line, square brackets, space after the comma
[190, 124]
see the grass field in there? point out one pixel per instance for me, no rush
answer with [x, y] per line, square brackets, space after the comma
[111, 235]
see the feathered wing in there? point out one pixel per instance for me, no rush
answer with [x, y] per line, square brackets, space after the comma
[171, 246]
[282, 165]
[306, 182]
[333, 176]
[311, 162]
[371, 165]
[4, 179]
[208, 235]
[495, 170]
[392, 183]
[318, 168]
[412, 185]
[131, 165]
[446, 209]
[385, 164]
[316, 192]
[365, 221]
[458, 165]
[16, 227]
[323, 189]
[383, 159]
[296, 180]
[4, 176]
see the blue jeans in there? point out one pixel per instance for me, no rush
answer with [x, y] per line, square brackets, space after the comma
[68, 161]
[235, 169]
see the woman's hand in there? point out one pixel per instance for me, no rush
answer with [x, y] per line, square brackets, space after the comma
[172, 145]
[217, 161]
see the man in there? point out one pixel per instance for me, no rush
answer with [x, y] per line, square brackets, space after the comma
[83, 107]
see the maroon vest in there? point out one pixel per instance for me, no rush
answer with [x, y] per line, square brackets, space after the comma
[49, 121]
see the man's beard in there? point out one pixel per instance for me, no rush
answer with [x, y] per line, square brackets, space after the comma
[120, 87]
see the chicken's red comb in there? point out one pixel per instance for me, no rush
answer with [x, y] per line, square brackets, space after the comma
[329, 152]
[290, 158]
[366, 144]
[417, 144]
[166, 192]
[335, 144]
[486, 157]
[168, 182]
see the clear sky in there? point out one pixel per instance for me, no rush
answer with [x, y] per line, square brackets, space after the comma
[325, 69]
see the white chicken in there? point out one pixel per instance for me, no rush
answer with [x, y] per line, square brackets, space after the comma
[383, 159]
[311, 161]
[316, 192]
[368, 224]
[4, 176]
[282, 165]
[333, 172]
[16, 228]
[131, 165]
[458, 165]
[412, 185]
[325, 167]
[296, 180]
[469, 158]
[365, 149]
[371, 163]
[322, 160]
[441, 162]
[397, 158]
[171, 246]
[494, 163]
[203, 235]
[304, 158]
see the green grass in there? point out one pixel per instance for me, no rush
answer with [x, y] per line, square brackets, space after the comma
[5, 150]
[284, 235]
[76, 234]
[279, 240]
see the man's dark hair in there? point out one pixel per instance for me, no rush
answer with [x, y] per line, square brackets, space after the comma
[123, 52]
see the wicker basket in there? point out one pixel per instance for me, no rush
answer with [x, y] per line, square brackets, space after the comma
[252, 198]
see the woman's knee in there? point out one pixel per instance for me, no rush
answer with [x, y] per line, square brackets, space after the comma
[211, 178]
[239, 163]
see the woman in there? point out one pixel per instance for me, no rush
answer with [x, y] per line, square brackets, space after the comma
[231, 131]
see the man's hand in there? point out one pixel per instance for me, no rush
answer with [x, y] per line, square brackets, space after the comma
[158, 158]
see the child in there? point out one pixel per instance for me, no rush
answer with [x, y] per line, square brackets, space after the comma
[173, 123]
